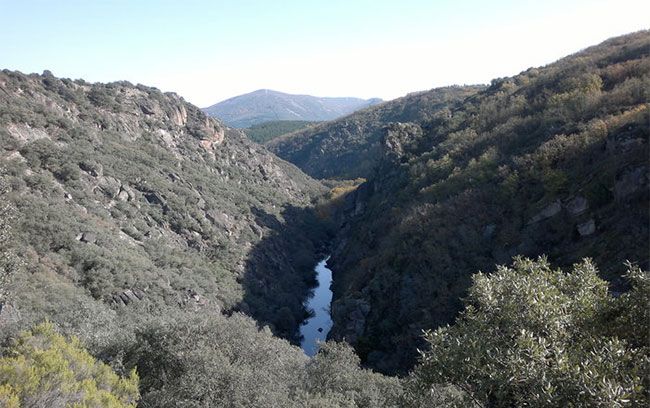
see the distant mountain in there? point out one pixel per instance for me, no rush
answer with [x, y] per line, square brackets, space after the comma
[265, 105]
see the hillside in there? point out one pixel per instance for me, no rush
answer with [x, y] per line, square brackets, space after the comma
[265, 105]
[112, 179]
[264, 132]
[552, 161]
[350, 147]
[155, 233]
[151, 256]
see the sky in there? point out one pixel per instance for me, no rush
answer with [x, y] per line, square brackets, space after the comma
[208, 51]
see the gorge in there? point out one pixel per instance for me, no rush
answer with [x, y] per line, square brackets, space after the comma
[458, 220]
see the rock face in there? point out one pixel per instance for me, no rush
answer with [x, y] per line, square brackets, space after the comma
[577, 205]
[630, 181]
[548, 211]
[587, 228]
[352, 313]
[123, 190]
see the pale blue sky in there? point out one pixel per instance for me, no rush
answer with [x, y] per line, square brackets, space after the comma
[208, 51]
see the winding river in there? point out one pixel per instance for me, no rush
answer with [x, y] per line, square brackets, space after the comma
[315, 328]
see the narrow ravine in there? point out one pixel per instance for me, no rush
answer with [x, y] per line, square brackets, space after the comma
[315, 329]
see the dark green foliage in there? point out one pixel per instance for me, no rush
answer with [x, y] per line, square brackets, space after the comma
[554, 161]
[217, 361]
[264, 132]
[538, 337]
[350, 147]
[220, 362]
[336, 369]
[9, 261]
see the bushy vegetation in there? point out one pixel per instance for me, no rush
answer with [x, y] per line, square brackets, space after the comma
[172, 246]
[44, 369]
[538, 337]
[552, 161]
[264, 132]
[229, 362]
[350, 147]
[136, 196]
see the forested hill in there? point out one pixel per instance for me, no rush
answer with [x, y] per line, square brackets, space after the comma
[266, 131]
[265, 105]
[552, 161]
[350, 147]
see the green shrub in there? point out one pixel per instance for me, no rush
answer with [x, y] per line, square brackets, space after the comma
[44, 369]
[537, 337]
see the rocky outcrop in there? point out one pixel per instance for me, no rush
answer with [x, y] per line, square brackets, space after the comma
[577, 205]
[350, 315]
[87, 237]
[547, 212]
[630, 181]
[127, 297]
[587, 228]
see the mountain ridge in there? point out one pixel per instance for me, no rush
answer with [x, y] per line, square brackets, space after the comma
[264, 105]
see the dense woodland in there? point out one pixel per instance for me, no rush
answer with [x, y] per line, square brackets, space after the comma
[495, 254]
[264, 132]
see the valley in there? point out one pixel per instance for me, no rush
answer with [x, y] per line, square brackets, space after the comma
[477, 245]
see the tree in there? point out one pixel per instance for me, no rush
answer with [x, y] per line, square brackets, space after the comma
[537, 337]
[44, 369]
[335, 372]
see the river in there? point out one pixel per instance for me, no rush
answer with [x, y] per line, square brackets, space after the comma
[315, 328]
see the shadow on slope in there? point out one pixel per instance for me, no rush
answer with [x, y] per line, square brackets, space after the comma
[279, 269]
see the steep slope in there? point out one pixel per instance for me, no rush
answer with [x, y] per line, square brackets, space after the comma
[265, 105]
[132, 220]
[552, 161]
[126, 195]
[350, 147]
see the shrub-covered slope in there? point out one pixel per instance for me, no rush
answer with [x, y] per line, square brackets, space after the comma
[125, 195]
[138, 224]
[554, 161]
[350, 147]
